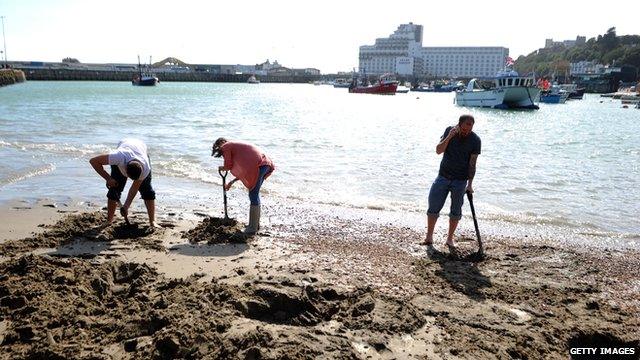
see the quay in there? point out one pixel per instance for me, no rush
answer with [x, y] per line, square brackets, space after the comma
[90, 75]
[11, 76]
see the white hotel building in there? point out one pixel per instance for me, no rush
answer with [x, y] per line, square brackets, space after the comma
[402, 53]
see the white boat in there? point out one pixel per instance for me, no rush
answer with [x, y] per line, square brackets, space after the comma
[341, 83]
[507, 90]
[252, 80]
[402, 90]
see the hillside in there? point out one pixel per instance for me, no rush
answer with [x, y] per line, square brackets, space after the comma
[607, 49]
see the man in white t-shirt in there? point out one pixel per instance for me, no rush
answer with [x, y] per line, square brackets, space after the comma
[129, 160]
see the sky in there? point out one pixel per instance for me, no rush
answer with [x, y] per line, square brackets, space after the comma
[320, 34]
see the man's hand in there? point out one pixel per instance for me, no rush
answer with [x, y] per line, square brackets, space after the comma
[111, 183]
[221, 168]
[124, 211]
[454, 131]
[469, 188]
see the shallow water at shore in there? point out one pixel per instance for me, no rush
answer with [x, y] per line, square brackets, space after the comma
[572, 167]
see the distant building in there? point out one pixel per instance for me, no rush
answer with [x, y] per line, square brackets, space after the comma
[402, 53]
[580, 40]
[387, 53]
[586, 67]
[464, 61]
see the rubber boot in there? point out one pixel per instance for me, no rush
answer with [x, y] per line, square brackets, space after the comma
[254, 220]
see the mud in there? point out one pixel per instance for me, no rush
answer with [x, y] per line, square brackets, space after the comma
[87, 227]
[213, 230]
[70, 308]
[348, 290]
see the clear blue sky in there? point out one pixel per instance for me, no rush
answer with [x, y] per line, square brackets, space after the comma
[323, 34]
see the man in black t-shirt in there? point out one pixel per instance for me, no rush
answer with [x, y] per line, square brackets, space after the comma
[461, 148]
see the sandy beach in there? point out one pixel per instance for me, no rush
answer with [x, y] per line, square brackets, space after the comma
[314, 284]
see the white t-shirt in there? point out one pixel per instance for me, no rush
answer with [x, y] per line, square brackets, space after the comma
[128, 150]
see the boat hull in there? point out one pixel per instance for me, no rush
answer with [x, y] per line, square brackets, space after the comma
[145, 81]
[517, 97]
[382, 89]
[577, 94]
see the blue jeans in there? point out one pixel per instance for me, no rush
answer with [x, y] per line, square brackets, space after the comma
[438, 195]
[254, 194]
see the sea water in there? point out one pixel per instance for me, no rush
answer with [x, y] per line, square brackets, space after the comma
[574, 165]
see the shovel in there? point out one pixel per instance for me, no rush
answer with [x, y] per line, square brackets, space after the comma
[475, 223]
[224, 191]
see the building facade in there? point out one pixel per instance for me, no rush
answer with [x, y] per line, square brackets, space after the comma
[464, 61]
[402, 53]
[586, 67]
[580, 40]
[387, 53]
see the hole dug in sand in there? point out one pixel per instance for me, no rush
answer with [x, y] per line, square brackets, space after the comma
[310, 306]
[214, 230]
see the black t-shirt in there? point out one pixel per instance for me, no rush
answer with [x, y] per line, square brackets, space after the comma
[455, 162]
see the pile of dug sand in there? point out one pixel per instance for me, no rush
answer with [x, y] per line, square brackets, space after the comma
[214, 230]
[87, 227]
[73, 309]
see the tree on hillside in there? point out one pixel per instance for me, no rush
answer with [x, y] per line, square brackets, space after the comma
[71, 60]
[608, 41]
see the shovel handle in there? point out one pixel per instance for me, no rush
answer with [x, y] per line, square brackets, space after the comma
[224, 190]
[475, 222]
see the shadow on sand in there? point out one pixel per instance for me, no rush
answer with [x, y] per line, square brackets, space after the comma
[462, 275]
[212, 250]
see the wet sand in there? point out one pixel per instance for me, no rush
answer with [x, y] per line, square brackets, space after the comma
[313, 285]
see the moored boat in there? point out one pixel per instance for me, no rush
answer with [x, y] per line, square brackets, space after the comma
[555, 95]
[252, 80]
[575, 93]
[341, 83]
[384, 86]
[508, 90]
[144, 79]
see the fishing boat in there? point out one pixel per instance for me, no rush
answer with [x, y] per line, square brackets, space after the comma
[385, 86]
[555, 95]
[508, 90]
[144, 78]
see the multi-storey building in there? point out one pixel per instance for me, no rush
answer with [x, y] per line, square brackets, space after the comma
[464, 61]
[402, 53]
[399, 53]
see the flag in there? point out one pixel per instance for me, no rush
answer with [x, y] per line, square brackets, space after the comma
[509, 61]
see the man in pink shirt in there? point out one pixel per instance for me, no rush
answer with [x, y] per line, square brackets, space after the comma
[248, 164]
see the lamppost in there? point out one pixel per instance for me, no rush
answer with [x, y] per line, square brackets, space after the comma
[4, 40]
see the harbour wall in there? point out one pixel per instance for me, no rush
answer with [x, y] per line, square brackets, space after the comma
[11, 76]
[89, 75]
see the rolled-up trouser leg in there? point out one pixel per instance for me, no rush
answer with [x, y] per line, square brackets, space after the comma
[114, 193]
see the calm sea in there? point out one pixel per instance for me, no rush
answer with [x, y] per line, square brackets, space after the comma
[575, 165]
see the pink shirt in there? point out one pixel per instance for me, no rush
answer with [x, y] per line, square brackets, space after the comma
[244, 161]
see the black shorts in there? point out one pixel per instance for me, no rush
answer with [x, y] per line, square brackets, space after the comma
[146, 191]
